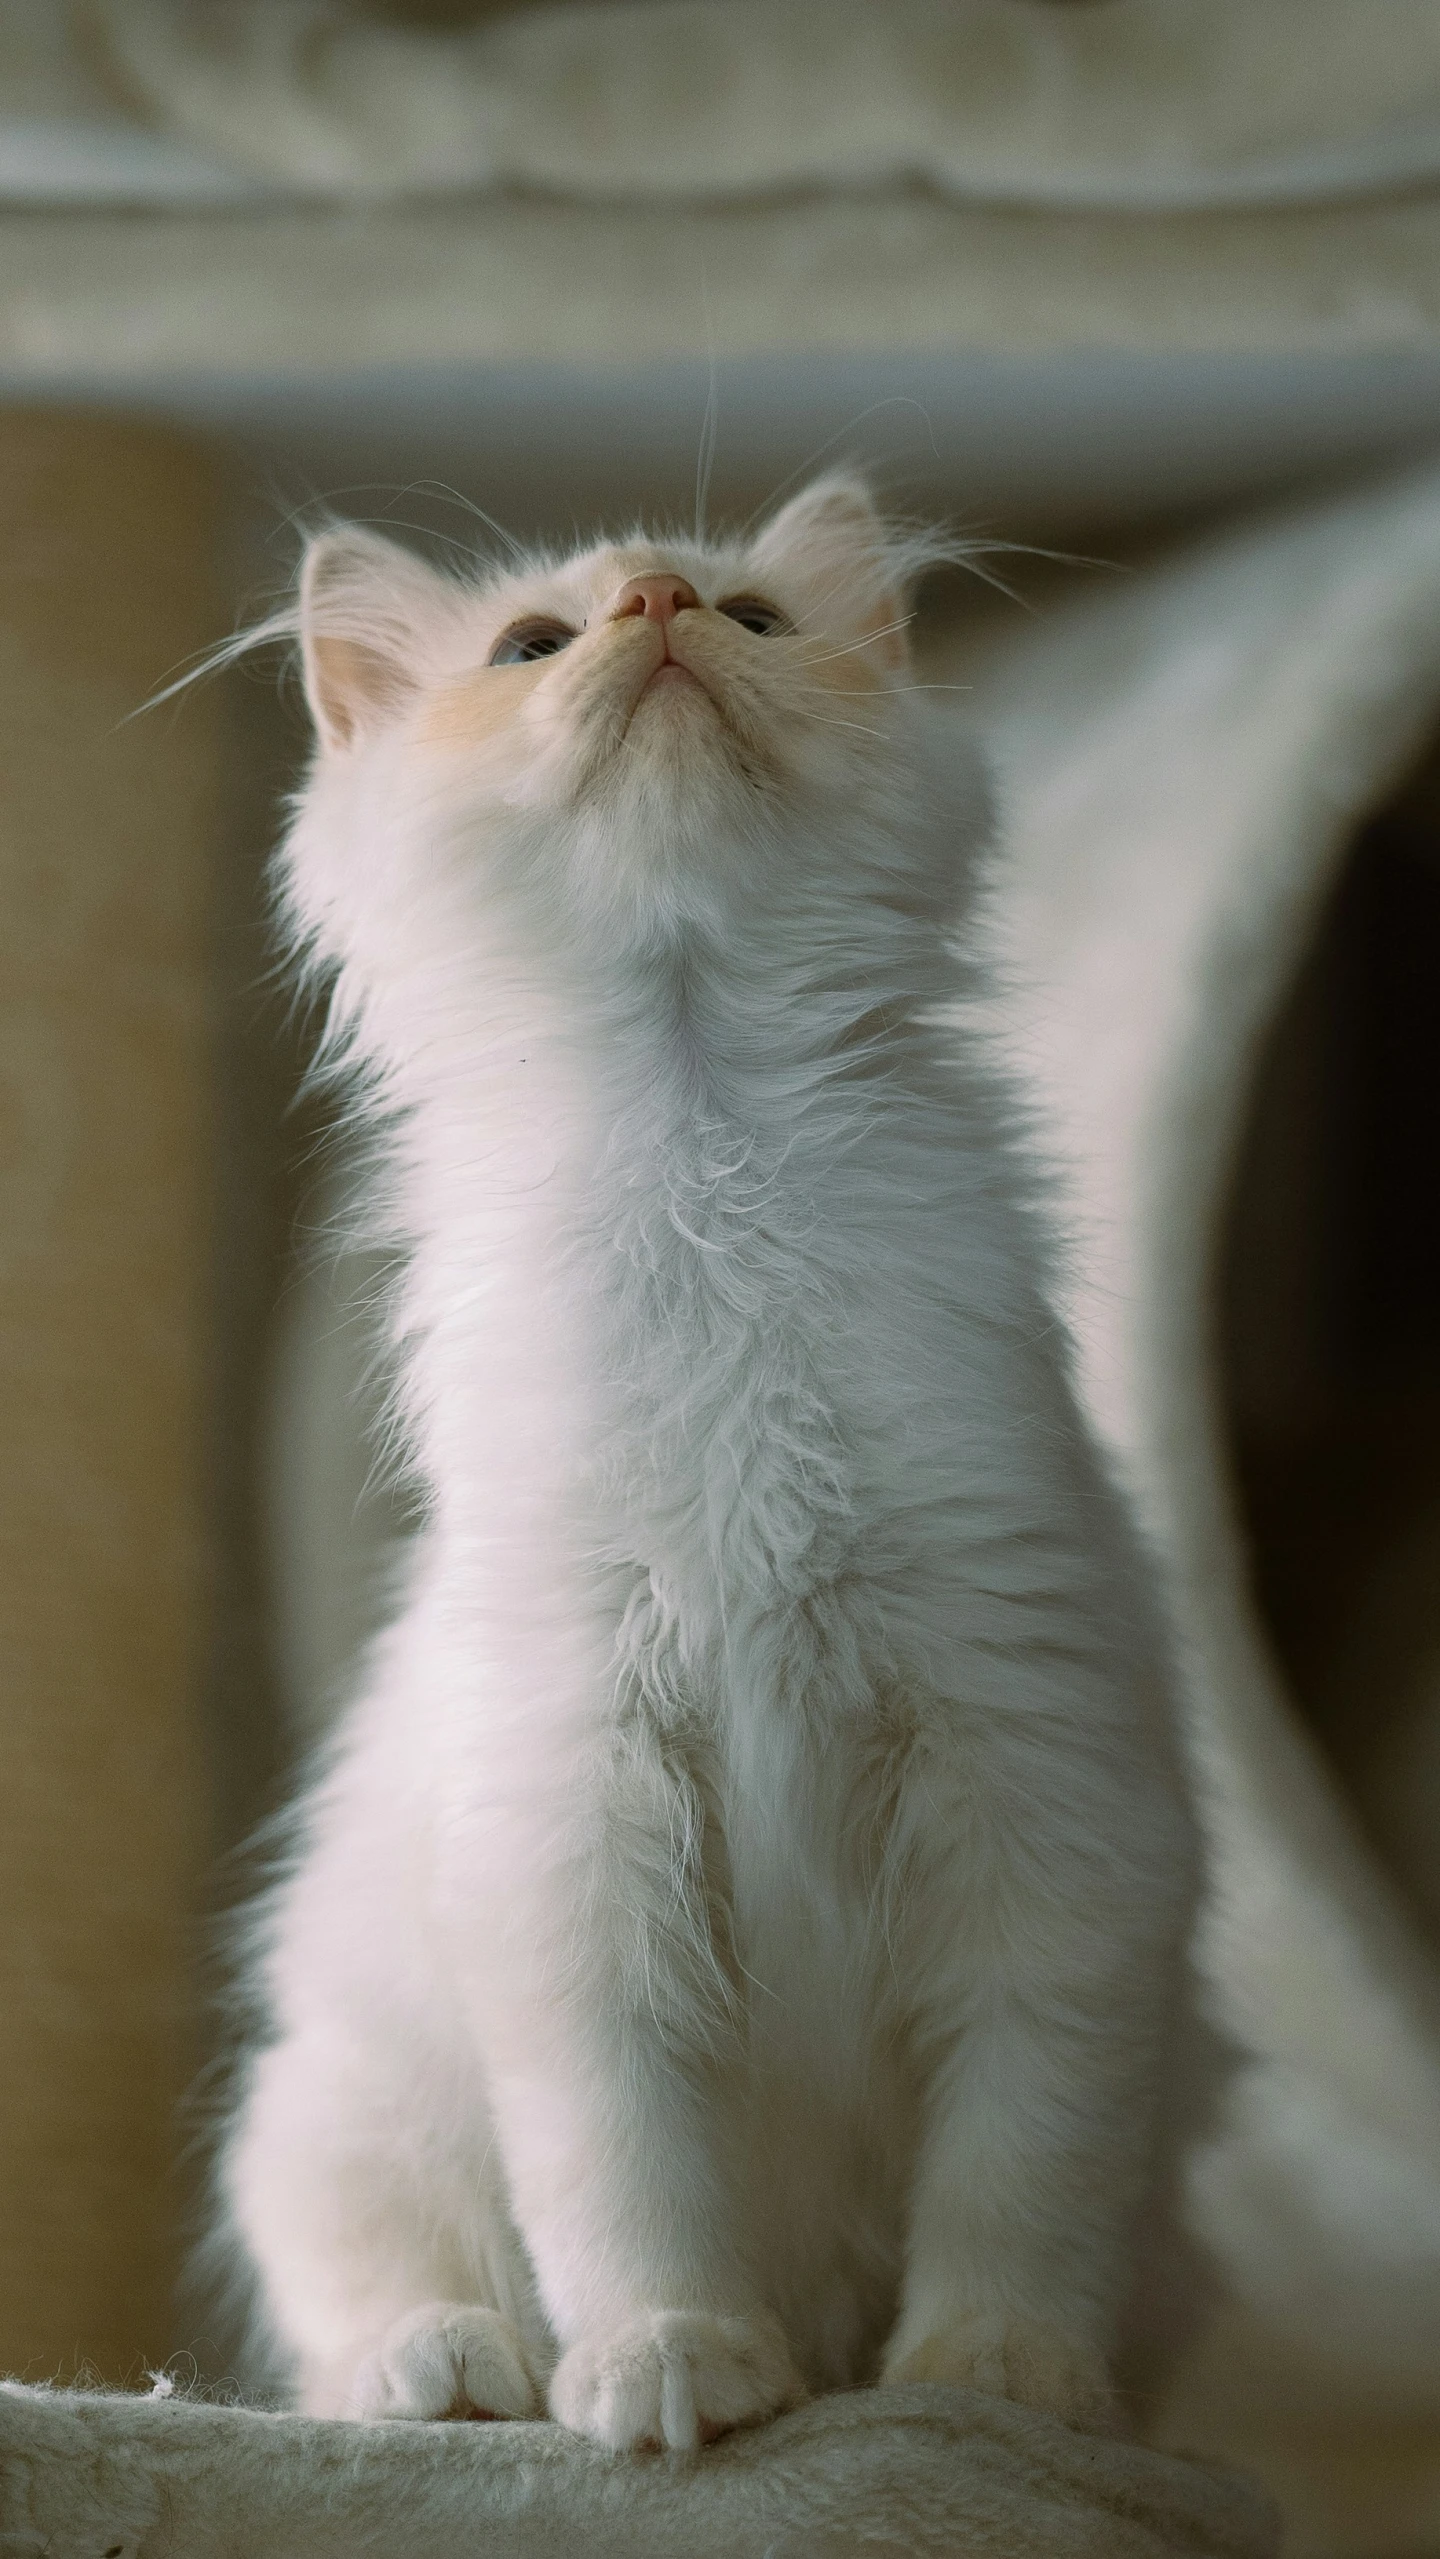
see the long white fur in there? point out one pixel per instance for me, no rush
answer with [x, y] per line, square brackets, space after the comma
[733, 1943]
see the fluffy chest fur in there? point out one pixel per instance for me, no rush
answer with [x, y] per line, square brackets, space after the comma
[727, 1309]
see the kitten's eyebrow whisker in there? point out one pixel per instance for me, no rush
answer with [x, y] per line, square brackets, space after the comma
[457, 497]
[705, 459]
[970, 564]
[818, 452]
[1002, 586]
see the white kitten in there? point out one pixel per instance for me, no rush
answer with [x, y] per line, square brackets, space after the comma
[733, 1944]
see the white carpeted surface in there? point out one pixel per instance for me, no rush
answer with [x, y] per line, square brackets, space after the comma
[902, 2474]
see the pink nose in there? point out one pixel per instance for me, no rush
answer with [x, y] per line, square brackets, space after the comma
[658, 599]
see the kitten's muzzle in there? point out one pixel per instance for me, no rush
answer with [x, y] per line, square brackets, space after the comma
[655, 599]
[659, 601]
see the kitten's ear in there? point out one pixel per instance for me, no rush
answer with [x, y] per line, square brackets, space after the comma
[831, 540]
[364, 607]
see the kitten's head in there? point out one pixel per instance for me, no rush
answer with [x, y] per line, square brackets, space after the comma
[638, 713]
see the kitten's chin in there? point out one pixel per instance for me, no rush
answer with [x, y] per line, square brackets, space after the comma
[668, 677]
[678, 738]
[618, 732]
[689, 736]
[672, 690]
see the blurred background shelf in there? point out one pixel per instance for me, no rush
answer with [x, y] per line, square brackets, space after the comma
[1045, 374]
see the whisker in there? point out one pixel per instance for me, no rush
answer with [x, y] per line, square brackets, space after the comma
[443, 489]
[818, 452]
[705, 458]
[843, 584]
[1001, 586]
[824, 721]
[969, 561]
[902, 622]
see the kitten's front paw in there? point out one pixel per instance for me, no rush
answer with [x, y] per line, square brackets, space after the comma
[1015, 2359]
[676, 2379]
[447, 2359]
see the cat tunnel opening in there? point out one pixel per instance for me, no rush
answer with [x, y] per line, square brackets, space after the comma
[1328, 1290]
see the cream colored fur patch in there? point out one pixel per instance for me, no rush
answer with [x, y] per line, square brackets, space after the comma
[475, 706]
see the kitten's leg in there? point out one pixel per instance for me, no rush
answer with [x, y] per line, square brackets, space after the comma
[1053, 1905]
[391, 2279]
[616, 2057]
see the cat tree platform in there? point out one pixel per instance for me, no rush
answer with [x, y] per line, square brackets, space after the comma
[924, 2473]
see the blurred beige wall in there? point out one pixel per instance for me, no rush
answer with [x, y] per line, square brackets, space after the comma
[111, 540]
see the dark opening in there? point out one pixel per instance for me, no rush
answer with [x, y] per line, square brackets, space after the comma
[1329, 1301]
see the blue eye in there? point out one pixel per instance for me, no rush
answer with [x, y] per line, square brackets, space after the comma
[539, 637]
[754, 614]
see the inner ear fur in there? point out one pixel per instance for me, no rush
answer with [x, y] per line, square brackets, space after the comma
[832, 538]
[363, 606]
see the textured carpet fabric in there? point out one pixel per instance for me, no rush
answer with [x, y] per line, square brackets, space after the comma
[903, 2474]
